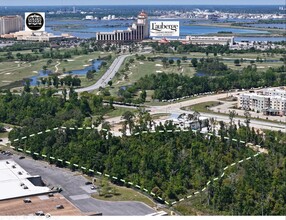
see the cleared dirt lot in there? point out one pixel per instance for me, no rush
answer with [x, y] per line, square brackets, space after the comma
[17, 207]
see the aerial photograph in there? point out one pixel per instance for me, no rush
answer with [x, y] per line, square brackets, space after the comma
[142, 108]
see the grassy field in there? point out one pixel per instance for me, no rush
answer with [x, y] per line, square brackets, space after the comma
[4, 135]
[118, 111]
[15, 71]
[80, 62]
[140, 69]
[126, 194]
[202, 107]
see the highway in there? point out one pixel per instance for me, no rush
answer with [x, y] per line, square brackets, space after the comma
[108, 75]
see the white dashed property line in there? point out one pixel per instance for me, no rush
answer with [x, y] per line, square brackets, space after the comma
[56, 129]
[107, 175]
[160, 198]
[225, 168]
[84, 168]
[144, 132]
[233, 164]
[35, 153]
[114, 177]
[222, 175]
[67, 162]
[181, 200]
[27, 151]
[190, 196]
[90, 170]
[63, 127]
[137, 186]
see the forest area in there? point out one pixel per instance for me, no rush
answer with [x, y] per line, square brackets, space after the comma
[171, 165]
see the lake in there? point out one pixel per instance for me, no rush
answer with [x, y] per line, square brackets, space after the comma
[95, 65]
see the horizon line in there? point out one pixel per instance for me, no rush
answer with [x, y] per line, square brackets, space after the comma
[148, 5]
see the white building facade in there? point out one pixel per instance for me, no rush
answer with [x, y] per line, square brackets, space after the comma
[269, 101]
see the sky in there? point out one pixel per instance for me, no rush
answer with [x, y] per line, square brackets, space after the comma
[140, 2]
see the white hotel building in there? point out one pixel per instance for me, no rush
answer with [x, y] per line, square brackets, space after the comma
[269, 101]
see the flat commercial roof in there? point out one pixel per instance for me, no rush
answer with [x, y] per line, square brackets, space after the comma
[15, 181]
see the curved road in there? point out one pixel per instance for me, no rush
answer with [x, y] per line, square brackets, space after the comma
[108, 75]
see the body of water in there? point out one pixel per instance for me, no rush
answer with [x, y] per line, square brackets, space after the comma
[95, 65]
[88, 28]
[280, 26]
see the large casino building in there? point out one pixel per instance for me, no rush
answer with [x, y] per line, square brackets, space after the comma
[137, 32]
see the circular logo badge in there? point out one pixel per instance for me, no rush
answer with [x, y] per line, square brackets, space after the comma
[35, 21]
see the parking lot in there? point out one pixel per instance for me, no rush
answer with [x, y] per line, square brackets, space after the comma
[75, 190]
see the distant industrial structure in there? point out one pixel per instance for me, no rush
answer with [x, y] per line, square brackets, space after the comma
[210, 40]
[137, 32]
[41, 36]
[9, 24]
[270, 101]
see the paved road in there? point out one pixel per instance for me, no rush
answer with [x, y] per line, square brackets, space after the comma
[175, 108]
[109, 74]
[75, 190]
